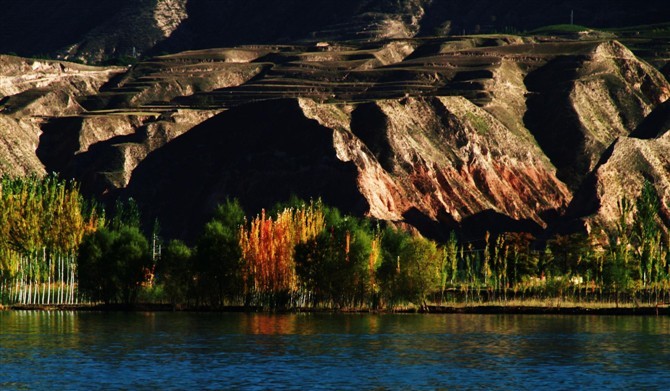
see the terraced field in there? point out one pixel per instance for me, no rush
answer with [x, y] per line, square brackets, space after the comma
[226, 78]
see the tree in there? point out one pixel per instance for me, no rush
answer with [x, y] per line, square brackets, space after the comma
[617, 269]
[571, 255]
[112, 264]
[268, 247]
[175, 270]
[42, 223]
[411, 267]
[388, 273]
[96, 271]
[647, 232]
[218, 257]
[125, 214]
[521, 261]
[132, 256]
[335, 265]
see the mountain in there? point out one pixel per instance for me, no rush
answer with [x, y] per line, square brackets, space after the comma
[358, 102]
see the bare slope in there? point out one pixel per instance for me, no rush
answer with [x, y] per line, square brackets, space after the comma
[578, 105]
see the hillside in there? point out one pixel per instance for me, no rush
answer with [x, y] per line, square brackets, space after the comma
[377, 116]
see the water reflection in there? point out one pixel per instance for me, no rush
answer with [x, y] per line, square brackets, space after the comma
[280, 351]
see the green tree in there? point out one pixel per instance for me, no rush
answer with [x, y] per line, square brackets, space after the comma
[112, 264]
[521, 262]
[218, 257]
[647, 232]
[616, 271]
[132, 256]
[125, 214]
[617, 276]
[335, 266]
[571, 255]
[411, 268]
[420, 263]
[96, 271]
[388, 273]
[175, 271]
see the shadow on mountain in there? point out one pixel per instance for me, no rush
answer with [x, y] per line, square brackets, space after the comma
[476, 225]
[261, 153]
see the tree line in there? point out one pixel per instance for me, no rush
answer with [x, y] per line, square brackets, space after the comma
[57, 248]
[304, 255]
[309, 255]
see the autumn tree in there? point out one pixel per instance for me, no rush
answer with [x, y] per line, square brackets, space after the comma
[268, 248]
[42, 223]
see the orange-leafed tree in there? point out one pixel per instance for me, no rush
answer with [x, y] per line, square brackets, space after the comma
[268, 247]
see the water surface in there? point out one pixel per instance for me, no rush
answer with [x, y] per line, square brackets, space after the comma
[69, 350]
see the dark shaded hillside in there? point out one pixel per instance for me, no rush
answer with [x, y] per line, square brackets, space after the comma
[110, 29]
[216, 23]
[524, 15]
[39, 27]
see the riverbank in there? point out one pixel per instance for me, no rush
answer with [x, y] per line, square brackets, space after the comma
[532, 310]
[484, 309]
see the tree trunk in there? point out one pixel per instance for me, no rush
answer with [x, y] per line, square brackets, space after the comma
[61, 279]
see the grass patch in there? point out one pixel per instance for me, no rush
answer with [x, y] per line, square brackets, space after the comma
[560, 29]
[479, 123]
[557, 302]
[152, 294]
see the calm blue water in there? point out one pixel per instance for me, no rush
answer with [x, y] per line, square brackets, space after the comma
[66, 350]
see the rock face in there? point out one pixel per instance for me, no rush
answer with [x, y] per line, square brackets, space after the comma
[445, 158]
[622, 175]
[623, 170]
[476, 133]
[579, 104]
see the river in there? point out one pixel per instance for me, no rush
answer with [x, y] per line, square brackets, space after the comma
[157, 351]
